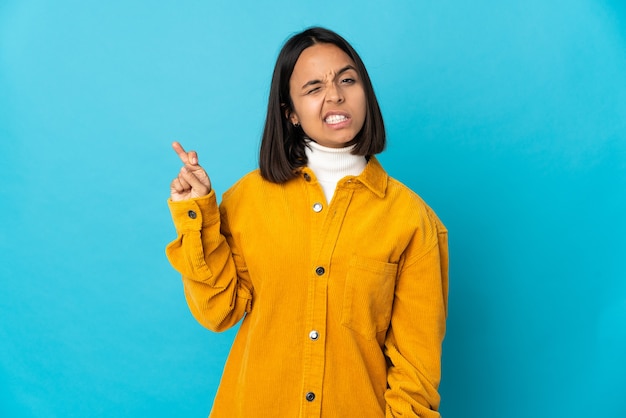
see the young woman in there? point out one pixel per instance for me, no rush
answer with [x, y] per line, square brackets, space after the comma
[339, 272]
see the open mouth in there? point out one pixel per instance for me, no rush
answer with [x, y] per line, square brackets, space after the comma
[335, 119]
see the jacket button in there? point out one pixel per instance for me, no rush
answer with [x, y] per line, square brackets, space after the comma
[307, 177]
[310, 396]
[317, 207]
[192, 214]
[319, 271]
[314, 335]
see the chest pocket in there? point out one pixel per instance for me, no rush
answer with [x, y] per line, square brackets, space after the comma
[368, 296]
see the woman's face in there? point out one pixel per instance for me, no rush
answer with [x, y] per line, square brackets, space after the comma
[328, 96]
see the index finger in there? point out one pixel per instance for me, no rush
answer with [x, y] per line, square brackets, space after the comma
[182, 154]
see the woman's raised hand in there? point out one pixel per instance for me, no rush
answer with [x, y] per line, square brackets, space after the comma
[192, 180]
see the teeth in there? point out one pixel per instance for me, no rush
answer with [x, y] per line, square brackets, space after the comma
[335, 119]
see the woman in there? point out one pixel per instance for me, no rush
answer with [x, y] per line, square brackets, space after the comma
[338, 271]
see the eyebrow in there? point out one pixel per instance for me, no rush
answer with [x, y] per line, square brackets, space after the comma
[343, 70]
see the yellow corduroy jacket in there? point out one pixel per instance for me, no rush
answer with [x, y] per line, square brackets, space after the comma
[343, 305]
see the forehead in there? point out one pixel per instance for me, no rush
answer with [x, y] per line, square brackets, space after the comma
[320, 60]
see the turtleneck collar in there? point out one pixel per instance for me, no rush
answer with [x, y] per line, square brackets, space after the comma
[332, 164]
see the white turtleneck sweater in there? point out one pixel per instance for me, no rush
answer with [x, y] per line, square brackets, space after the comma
[332, 164]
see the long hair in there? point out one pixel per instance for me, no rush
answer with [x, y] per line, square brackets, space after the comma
[283, 144]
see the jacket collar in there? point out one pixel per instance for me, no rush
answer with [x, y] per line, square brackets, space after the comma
[374, 177]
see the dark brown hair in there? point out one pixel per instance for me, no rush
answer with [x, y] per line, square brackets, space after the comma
[283, 144]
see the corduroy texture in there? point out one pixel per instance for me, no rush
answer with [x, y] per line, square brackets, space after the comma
[368, 273]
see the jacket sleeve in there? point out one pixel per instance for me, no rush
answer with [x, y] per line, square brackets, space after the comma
[414, 339]
[216, 282]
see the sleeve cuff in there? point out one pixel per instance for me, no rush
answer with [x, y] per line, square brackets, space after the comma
[194, 214]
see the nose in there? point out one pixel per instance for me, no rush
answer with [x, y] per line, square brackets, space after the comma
[334, 94]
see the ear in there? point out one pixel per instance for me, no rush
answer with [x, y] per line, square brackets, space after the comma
[289, 114]
[293, 118]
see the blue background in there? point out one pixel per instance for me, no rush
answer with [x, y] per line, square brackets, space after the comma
[509, 118]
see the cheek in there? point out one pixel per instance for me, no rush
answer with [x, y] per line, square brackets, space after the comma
[363, 106]
[358, 99]
[363, 100]
[308, 109]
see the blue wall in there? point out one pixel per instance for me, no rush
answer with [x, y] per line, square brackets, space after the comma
[509, 118]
